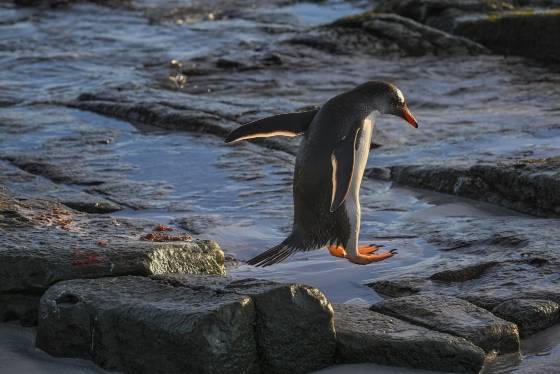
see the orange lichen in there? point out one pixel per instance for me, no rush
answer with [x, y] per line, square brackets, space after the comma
[84, 258]
[58, 217]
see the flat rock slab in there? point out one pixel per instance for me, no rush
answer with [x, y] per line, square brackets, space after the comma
[491, 283]
[44, 242]
[525, 28]
[383, 33]
[530, 186]
[529, 33]
[367, 336]
[190, 324]
[454, 316]
[530, 315]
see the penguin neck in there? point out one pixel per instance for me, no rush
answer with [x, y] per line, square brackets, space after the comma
[371, 117]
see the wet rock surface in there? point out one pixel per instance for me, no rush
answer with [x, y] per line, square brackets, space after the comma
[137, 325]
[531, 315]
[231, 326]
[531, 186]
[381, 33]
[294, 324]
[526, 28]
[44, 242]
[457, 317]
[527, 33]
[368, 336]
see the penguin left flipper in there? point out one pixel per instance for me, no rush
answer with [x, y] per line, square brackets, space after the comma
[342, 161]
[288, 124]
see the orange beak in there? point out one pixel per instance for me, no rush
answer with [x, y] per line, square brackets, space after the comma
[409, 117]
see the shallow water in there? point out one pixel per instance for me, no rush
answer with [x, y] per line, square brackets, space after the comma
[241, 195]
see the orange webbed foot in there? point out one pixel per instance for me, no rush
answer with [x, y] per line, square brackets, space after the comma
[364, 259]
[368, 249]
[337, 251]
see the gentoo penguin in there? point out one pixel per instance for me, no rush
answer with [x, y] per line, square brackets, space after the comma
[329, 168]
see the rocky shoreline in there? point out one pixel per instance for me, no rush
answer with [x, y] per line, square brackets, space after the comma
[132, 296]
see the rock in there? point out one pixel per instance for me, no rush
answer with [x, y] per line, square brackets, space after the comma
[19, 306]
[367, 336]
[380, 33]
[294, 326]
[520, 27]
[161, 114]
[116, 321]
[69, 174]
[485, 284]
[188, 324]
[463, 274]
[64, 3]
[530, 315]
[93, 206]
[43, 242]
[529, 33]
[206, 116]
[454, 316]
[33, 186]
[530, 186]
[198, 224]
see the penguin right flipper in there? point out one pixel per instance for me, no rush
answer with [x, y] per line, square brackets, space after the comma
[288, 124]
[342, 161]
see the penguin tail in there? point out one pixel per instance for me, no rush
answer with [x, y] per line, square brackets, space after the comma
[274, 255]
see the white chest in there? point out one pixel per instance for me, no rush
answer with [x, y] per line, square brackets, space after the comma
[361, 154]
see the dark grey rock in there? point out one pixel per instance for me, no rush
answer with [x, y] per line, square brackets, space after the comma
[198, 115]
[530, 315]
[44, 242]
[457, 317]
[381, 33]
[197, 224]
[19, 306]
[530, 186]
[93, 206]
[294, 326]
[58, 174]
[485, 284]
[161, 114]
[138, 325]
[529, 33]
[188, 324]
[367, 336]
[521, 27]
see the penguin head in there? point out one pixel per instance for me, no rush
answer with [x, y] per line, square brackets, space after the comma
[387, 99]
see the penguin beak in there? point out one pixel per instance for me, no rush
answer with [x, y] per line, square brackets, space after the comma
[409, 117]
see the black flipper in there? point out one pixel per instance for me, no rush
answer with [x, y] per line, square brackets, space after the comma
[288, 124]
[342, 161]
